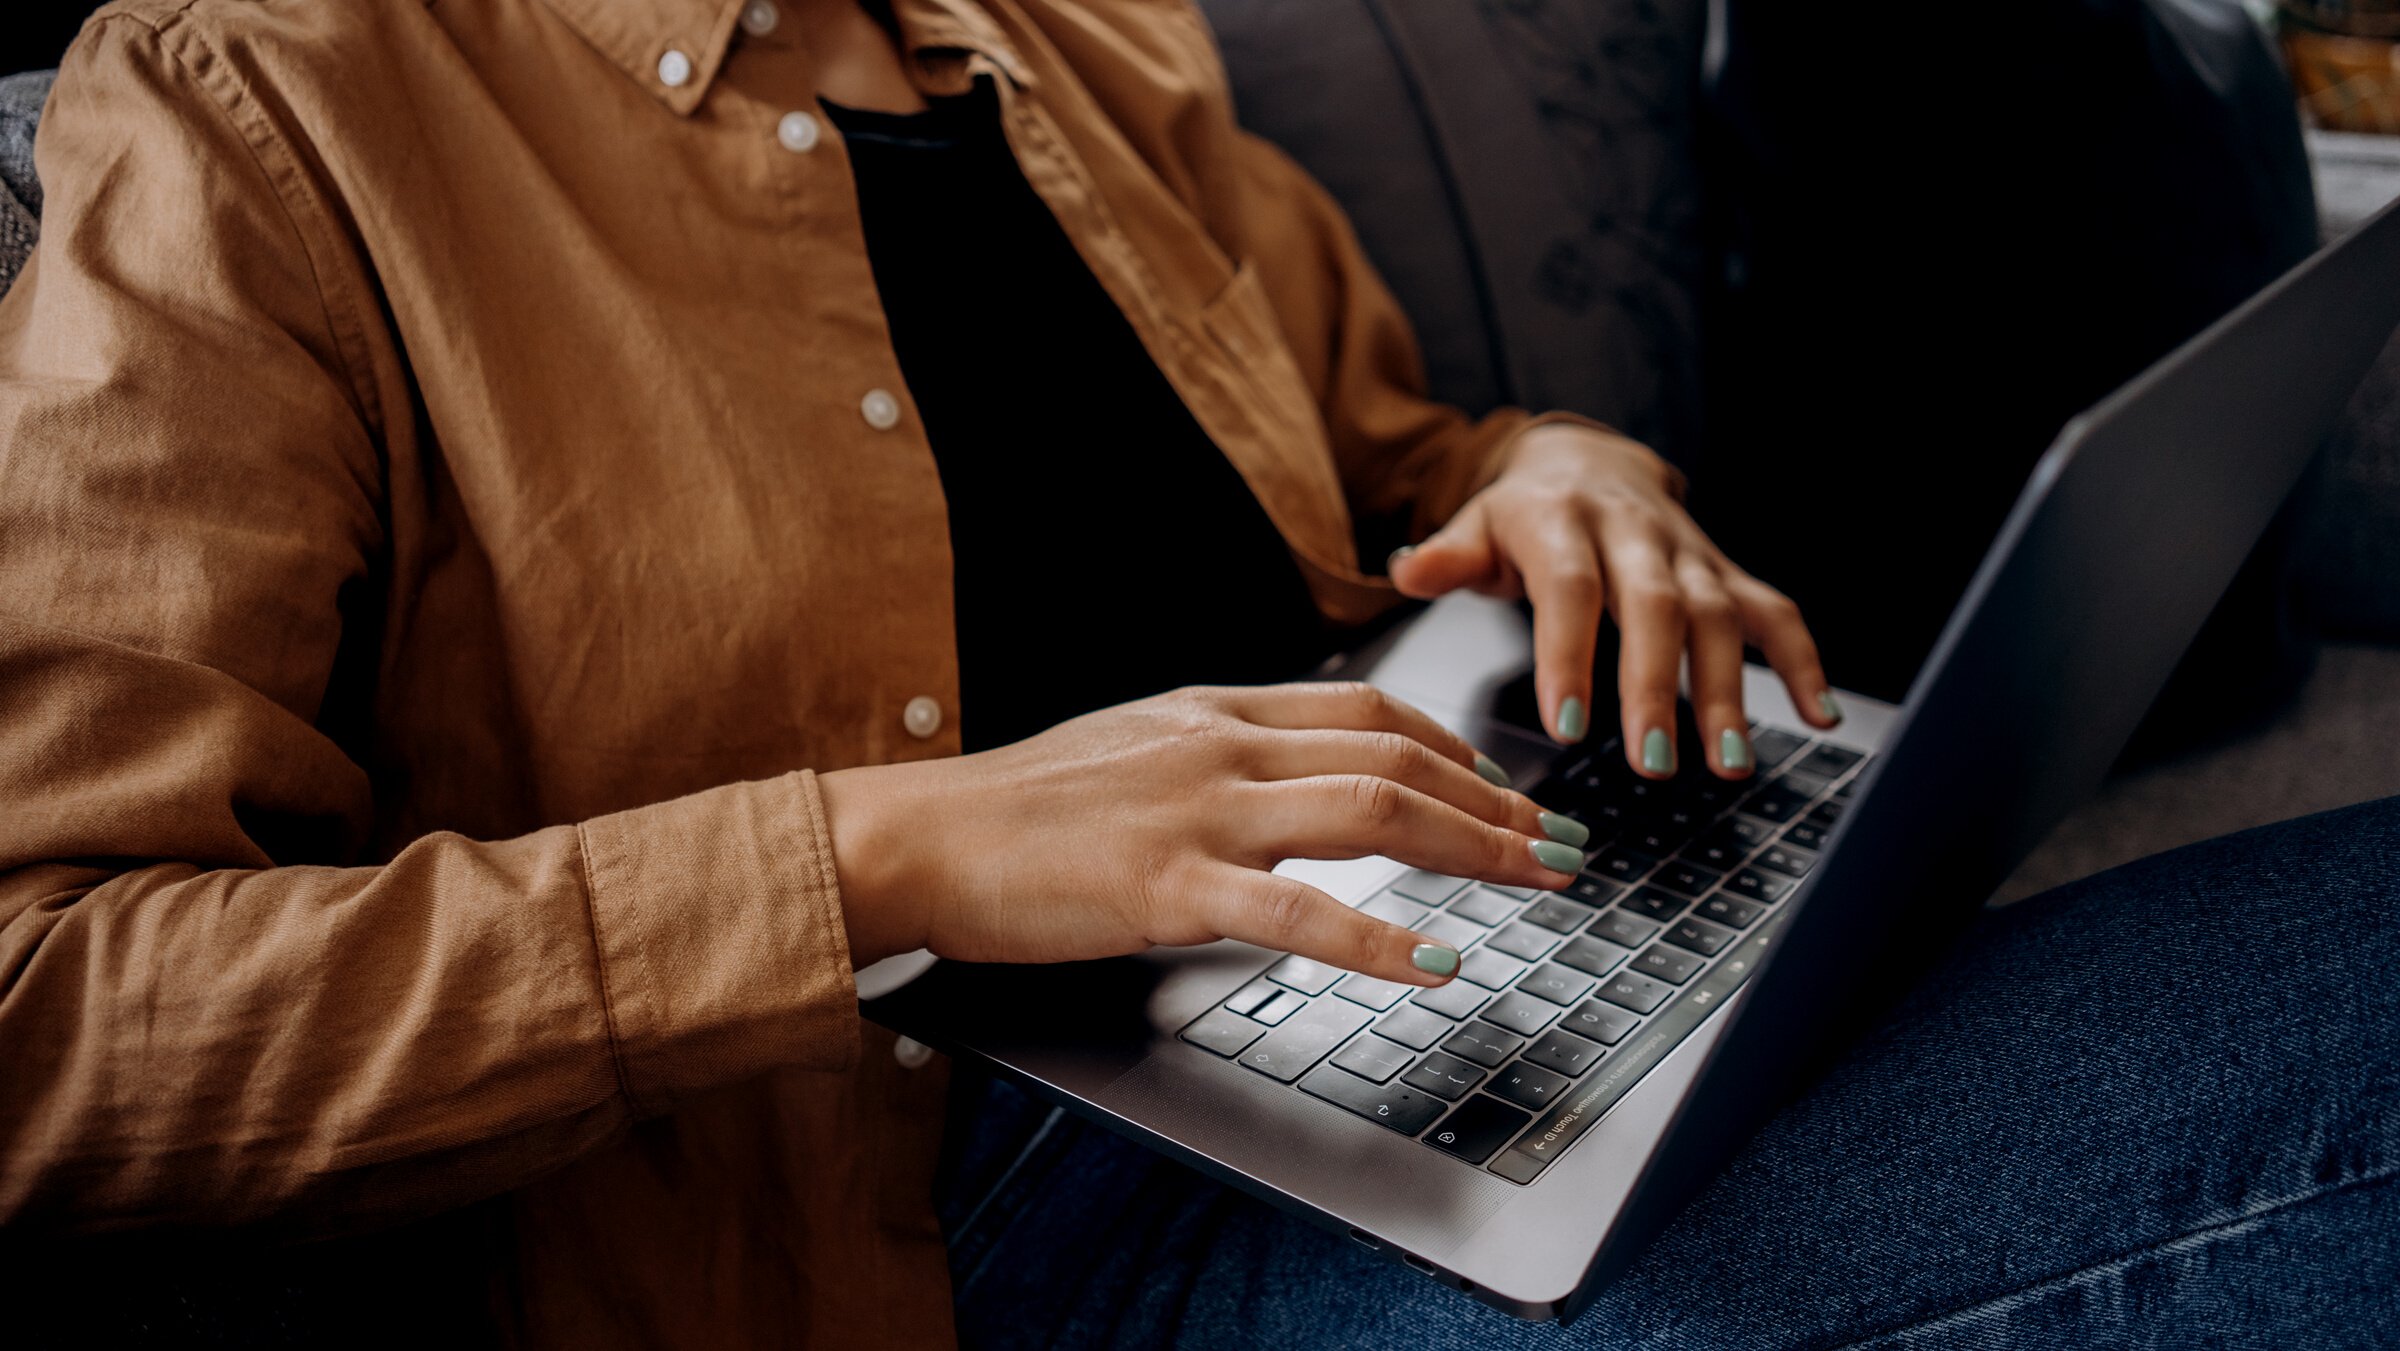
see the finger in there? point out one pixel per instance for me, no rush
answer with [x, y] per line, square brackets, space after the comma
[1461, 553]
[1415, 765]
[1564, 581]
[1650, 623]
[1289, 916]
[1354, 815]
[1775, 627]
[1350, 705]
[1715, 646]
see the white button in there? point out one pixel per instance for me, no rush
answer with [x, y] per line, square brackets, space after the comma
[911, 1053]
[798, 132]
[674, 69]
[922, 717]
[759, 16]
[880, 409]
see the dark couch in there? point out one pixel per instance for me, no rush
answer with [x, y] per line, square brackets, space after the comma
[1527, 175]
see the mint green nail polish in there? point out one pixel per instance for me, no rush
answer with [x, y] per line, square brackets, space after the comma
[1490, 769]
[1829, 706]
[1734, 749]
[1658, 753]
[1397, 554]
[1566, 830]
[1558, 858]
[1433, 959]
[1570, 720]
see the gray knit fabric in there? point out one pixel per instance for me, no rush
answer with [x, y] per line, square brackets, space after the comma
[20, 192]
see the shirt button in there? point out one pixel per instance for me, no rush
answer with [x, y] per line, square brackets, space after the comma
[674, 69]
[911, 1053]
[922, 717]
[759, 16]
[880, 409]
[798, 132]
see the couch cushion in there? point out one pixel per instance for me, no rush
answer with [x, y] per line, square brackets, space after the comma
[1522, 174]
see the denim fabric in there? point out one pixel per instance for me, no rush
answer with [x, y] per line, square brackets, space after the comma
[2160, 1107]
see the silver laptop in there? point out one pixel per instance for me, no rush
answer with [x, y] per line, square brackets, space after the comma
[1520, 1133]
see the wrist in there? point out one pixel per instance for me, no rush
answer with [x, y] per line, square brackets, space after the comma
[874, 826]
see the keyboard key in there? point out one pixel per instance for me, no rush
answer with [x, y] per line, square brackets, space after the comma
[1479, 1126]
[1593, 891]
[1603, 1023]
[1487, 908]
[1398, 1106]
[1668, 964]
[1759, 886]
[1849, 786]
[1483, 1043]
[1558, 984]
[1304, 975]
[1559, 914]
[1651, 903]
[1444, 1076]
[1771, 747]
[1693, 935]
[1489, 969]
[1450, 929]
[1624, 930]
[1806, 836]
[1393, 908]
[1528, 1085]
[1825, 814]
[1513, 893]
[1564, 1052]
[1750, 831]
[1785, 859]
[1227, 1034]
[1303, 1040]
[1829, 760]
[1639, 993]
[1457, 1001]
[1523, 941]
[1414, 1027]
[1592, 956]
[1718, 850]
[1731, 910]
[1520, 1013]
[1283, 1005]
[1689, 879]
[1657, 837]
[1371, 1057]
[1778, 802]
[1429, 887]
[1251, 996]
[1618, 864]
[1375, 994]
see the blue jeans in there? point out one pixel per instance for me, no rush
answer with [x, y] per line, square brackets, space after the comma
[2159, 1107]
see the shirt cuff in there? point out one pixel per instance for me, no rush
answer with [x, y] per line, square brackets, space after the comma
[723, 954]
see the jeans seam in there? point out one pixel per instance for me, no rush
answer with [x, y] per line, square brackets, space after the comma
[2208, 1231]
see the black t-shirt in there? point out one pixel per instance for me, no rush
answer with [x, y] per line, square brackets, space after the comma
[1103, 547]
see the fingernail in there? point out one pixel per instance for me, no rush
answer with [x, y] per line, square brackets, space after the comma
[1658, 753]
[1434, 959]
[1490, 769]
[1558, 858]
[1566, 830]
[1829, 706]
[1393, 562]
[1570, 720]
[1733, 749]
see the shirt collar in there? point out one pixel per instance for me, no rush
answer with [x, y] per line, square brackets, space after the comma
[638, 35]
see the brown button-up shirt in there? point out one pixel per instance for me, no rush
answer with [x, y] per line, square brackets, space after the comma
[455, 489]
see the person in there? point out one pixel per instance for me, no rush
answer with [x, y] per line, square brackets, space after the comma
[509, 514]
[539, 535]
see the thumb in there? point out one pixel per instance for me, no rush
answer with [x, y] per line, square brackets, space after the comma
[1459, 554]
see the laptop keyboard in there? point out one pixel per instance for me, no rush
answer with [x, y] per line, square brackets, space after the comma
[1563, 999]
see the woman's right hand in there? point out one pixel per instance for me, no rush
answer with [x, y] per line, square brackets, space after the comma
[1159, 822]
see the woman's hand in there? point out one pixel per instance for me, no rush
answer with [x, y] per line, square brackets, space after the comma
[1582, 522]
[1157, 822]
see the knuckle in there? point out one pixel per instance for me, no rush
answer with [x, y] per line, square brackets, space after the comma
[1373, 801]
[1364, 697]
[1650, 594]
[1577, 586]
[1400, 757]
[1711, 609]
[1282, 913]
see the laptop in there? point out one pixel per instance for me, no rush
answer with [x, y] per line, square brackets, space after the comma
[1520, 1133]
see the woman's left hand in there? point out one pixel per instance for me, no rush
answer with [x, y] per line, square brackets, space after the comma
[1583, 522]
